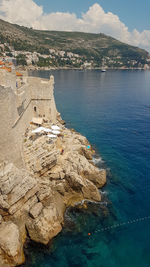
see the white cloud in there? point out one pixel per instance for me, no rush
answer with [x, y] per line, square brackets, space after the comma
[95, 20]
[20, 12]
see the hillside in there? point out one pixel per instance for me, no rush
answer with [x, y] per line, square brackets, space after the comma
[73, 49]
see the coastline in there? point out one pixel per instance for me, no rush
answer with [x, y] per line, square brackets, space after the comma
[71, 246]
[57, 173]
[33, 68]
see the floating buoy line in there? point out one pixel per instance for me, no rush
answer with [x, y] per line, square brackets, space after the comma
[113, 226]
[117, 225]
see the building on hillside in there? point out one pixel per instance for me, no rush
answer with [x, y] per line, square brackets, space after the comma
[87, 65]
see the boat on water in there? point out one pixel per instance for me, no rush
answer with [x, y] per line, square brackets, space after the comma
[103, 67]
[103, 70]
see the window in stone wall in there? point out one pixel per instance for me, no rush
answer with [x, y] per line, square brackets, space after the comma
[35, 109]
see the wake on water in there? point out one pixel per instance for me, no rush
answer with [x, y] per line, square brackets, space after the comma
[97, 160]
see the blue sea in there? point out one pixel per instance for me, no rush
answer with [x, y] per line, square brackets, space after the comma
[112, 110]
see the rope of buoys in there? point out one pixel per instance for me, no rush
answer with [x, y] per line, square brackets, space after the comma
[121, 224]
[91, 235]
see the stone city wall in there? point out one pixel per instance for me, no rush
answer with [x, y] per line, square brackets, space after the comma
[17, 108]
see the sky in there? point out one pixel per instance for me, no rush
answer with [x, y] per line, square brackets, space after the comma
[125, 20]
[134, 13]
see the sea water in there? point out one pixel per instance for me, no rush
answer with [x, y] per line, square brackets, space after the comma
[112, 110]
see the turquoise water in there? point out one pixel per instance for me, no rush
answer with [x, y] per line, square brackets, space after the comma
[112, 110]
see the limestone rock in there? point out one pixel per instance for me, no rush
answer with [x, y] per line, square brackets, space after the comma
[20, 204]
[40, 156]
[98, 177]
[29, 204]
[46, 226]
[19, 191]
[74, 162]
[75, 181]
[55, 176]
[9, 239]
[60, 187]
[36, 210]
[63, 179]
[79, 184]
[3, 204]
[16, 185]
[44, 192]
[8, 178]
[3, 262]
[79, 164]
[82, 139]
[91, 192]
[11, 248]
[85, 152]
[15, 181]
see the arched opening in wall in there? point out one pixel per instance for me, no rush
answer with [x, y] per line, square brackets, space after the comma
[35, 111]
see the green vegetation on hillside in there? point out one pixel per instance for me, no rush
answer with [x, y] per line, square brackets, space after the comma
[97, 49]
[21, 60]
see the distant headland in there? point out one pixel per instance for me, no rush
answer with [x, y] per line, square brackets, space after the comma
[67, 50]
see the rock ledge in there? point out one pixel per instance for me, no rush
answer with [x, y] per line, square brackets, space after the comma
[57, 174]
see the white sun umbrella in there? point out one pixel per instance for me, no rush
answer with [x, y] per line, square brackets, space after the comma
[38, 130]
[56, 132]
[55, 127]
[47, 130]
[52, 135]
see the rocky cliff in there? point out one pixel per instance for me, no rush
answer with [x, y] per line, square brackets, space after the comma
[57, 173]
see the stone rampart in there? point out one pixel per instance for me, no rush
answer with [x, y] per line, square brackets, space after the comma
[18, 105]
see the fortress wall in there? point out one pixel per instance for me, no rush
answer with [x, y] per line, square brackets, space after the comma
[7, 79]
[17, 110]
[40, 88]
[43, 103]
[8, 146]
[42, 108]
[53, 111]
[11, 137]
[3, 77]
[23, 100]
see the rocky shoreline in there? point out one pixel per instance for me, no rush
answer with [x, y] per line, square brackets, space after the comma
[57, 174]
